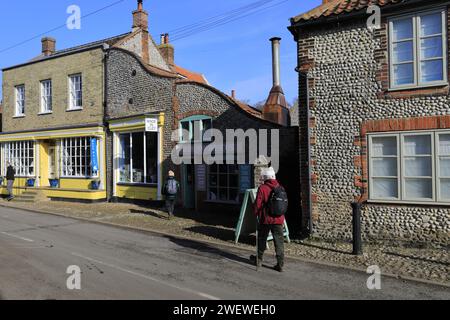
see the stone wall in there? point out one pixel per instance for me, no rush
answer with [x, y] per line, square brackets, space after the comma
[344, 63]
[88, 63]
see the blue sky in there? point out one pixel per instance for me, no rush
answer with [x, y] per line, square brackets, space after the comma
[233, 56]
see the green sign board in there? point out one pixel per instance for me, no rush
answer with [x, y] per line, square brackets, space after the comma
[247, 220]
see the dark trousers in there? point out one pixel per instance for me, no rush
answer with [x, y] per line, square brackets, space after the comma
[170, 206]
[278, 239]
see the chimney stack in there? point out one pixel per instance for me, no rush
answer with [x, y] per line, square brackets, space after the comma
[275, 109]
[233, 94]
[167, 50]
[140, 17]
[48, 46]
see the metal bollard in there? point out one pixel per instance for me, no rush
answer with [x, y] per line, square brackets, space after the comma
[357, 241]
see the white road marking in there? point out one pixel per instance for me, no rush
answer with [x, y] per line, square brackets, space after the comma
[201, 294]
[17, 237]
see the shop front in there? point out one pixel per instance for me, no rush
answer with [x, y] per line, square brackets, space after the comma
[137, 158]
[63, 164]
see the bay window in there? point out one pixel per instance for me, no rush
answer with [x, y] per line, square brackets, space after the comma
[410, 167]
[20, 155]
[138, 158]
[418, 50]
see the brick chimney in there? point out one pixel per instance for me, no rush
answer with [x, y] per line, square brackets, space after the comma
[326, 1]
[140, 17]
[48, 46]
[167, 50]
[275, 109]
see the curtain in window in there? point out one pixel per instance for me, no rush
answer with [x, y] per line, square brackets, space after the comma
[385, 168]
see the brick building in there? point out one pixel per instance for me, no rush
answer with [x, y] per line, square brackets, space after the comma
[374, 118]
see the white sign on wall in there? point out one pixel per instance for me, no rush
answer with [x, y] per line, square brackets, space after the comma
[151, 125]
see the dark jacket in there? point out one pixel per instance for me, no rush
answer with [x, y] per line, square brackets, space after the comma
[261, 204]
[10, 173]
[164, 189]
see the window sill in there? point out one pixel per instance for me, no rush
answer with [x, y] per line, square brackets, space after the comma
[79, 178]
[45, 113]
[440, 89]
[19, 116]
[74, 109]
[410, 203]
[420, 87]
[130, 184]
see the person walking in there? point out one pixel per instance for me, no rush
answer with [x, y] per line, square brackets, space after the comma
[10, 177]
[270, 209]
[170, 191]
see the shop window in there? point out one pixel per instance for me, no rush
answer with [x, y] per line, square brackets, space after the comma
[223, 183]
[193, 127]
[138, 158]
[76, 158]
[21, 156]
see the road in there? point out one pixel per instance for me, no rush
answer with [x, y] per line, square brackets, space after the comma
[37, 249]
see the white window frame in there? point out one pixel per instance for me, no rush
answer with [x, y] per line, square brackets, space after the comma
[20, 100]
[22, 156]
[417, 52]
[73, 97]
[436, 197]
[70, 152]
[144, 155]
[46, 96]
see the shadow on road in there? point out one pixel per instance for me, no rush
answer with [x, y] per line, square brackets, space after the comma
[198, 247]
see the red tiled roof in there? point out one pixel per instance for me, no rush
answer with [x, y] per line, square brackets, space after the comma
[337, 7]
[189, 75]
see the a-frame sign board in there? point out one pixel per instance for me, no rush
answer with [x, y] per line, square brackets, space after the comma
[247, 220]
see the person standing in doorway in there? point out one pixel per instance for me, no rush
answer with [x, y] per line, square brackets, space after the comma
[270, 209]
[170, 190]
[10, 177]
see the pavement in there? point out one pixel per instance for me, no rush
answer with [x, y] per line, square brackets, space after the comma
[36, 251]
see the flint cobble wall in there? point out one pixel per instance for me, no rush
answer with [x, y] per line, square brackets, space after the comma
[343, 64]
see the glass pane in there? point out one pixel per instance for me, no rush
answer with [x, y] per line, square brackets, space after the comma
[152, 157]
[418, 167]
[234, 181]
[223, 180]
[444, 167]
[445, 189]
[138, 157]
[432, 70]
[234, 195]
[384, 188]
[223, 194]
[431, 48]
[124, 162]
[213, 180]
[444, 144]
[384, 146]
[213, 194]
[404, 74]
[384, 167]
[185, 136]
[403, 52]
[403, 29]
[417, 145]
[431, 24]
[223, 168]
[419, 188]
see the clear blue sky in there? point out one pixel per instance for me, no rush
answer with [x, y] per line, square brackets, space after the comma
[233, 56]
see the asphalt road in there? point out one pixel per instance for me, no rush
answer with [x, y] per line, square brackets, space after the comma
[37, 249]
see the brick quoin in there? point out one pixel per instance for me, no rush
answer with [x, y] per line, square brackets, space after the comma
[385, 126]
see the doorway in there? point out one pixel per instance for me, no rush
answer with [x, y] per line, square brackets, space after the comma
[52, 162]
[189, 186]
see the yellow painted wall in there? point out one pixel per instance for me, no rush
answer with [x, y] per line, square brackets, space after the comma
[83, 195]
[43, 164]
[81, 184]
[137, 193]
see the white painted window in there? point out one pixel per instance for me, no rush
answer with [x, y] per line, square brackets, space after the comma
[20, 100]
[76, 158]
[138, 162]
[75, 92]
[223, 183]
[410, 167]
[418, 50]
[21, 156]
[46, 96]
